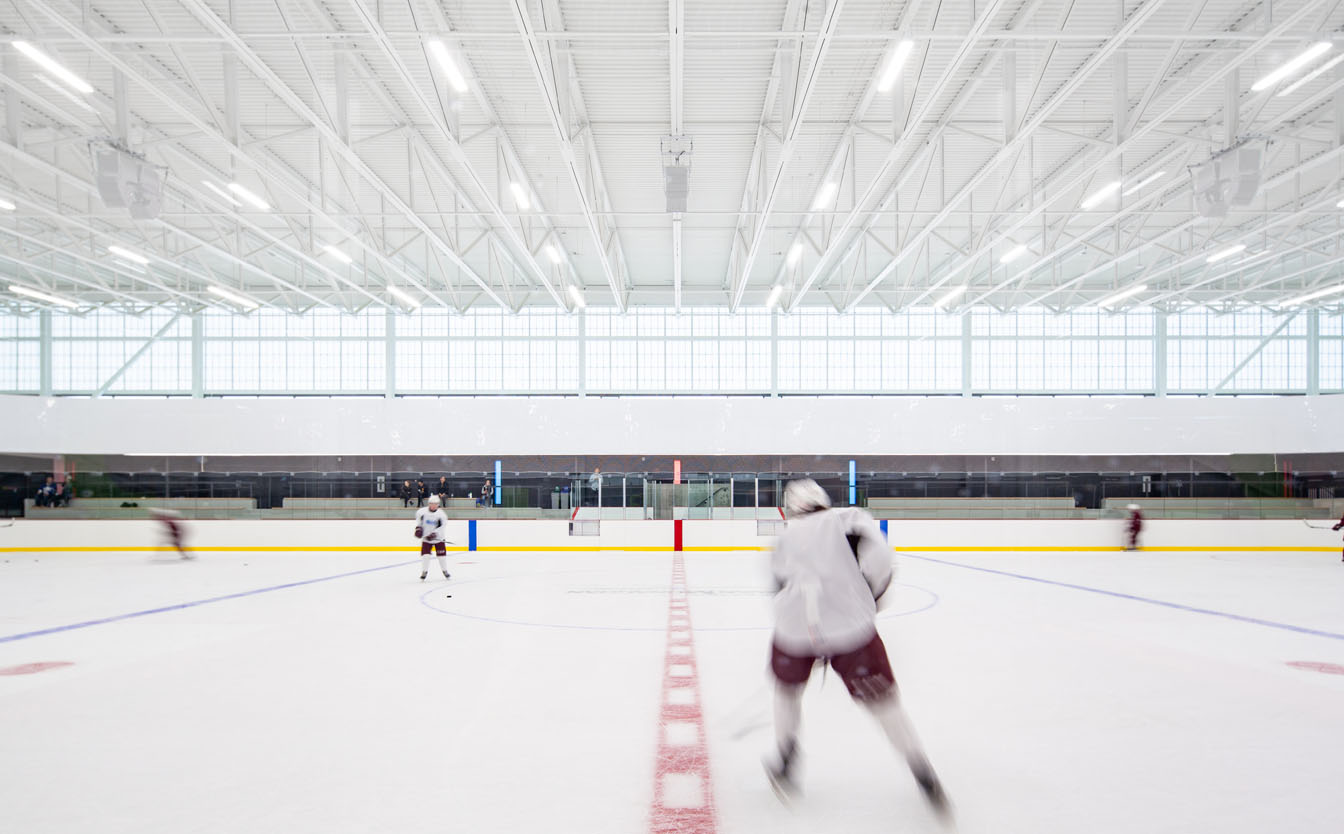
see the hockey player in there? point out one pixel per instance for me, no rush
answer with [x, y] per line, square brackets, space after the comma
[1337, 528]
[430, 522]
[1135, 526]
[831, 567]
[171, 523]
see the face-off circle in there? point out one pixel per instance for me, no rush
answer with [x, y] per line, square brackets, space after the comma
[34, 668]
[1317, 666]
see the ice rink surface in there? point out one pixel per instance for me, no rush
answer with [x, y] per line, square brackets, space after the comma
[1052, 691]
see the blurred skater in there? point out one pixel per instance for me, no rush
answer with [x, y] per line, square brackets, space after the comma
[1337, 528]
[430, 523]
[1135, 526]
[825, 610]
[170, 521]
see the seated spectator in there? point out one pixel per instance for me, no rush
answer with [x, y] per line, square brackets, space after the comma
[46, 493]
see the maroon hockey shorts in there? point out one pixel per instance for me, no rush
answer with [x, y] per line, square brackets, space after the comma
[439, 548]
[866, 671]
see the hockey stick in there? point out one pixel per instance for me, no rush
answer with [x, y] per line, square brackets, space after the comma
[1318, 526]
[9, 523]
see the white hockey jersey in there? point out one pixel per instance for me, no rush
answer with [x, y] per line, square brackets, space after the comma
[827, 602]
[432, 524]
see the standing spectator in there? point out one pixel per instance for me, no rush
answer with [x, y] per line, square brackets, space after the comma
[487, 494]
[420, 492]
[595, 484]
[1135, 526]
[405, 493]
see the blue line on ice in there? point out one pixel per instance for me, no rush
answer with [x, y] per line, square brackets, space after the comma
[1119, 595]
[72, 626]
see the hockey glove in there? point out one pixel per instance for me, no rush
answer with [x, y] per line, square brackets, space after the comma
[419, 532]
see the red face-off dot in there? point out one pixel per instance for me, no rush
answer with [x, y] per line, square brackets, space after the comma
[1317, 666]
[33, 668]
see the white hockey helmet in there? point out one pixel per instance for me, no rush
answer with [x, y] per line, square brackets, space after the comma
[804, 496]
[1132, 507]
[433, 499]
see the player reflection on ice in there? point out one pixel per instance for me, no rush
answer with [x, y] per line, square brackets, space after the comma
[173, 529]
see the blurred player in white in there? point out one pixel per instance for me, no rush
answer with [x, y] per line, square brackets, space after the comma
[430, 522]
[832, 566]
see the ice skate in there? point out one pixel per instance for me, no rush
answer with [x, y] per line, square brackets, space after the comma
[780, 773]
[423, 574]
[932, 788]
[447, 575]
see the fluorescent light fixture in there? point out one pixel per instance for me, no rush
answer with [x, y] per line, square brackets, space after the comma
[53, 66]
[1223, 254]
[122, 252]
[234, 297]
[1340, 204]
[1293, 302]
[41, 296]
[1111, 301]
[795, 252]
[224, 195]
[825, 195]
[338, 254]
[520, 196]
[1013, 254]
[1311, 53]
[1306, 79]
[6, 205]
[1143, 183]
[577, 296]
[403, 296]
[1101, 194]
[775, 292]
[249, 197]
[899, 54]
[553, 254]
[64, 93]
[448, 65]
[949, 296]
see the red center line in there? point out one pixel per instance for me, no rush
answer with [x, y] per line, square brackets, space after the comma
[683, 798]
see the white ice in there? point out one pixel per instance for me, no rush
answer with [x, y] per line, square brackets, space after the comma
[528, 701]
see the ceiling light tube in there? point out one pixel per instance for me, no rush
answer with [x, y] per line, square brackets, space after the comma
[1311, 53]
[520, 196]
[1340, 204]
[1309, 77]
[53, 66]
[1101, 194]
[825, 195]
[64, 92]
[224, 195]
[773, 298]
[123, 252]
[448, 65]
[1293, 302]
[1143, 183]
[403, 296]
[234, 297]
[577, 297]
[1111, 301]
[553, 254]
[41, 296]
[899, 54]
[949, 296]
[1013, 254]
[338, 254]
[1223, 254]
[795, 252]
[249, 197]
[7, 205]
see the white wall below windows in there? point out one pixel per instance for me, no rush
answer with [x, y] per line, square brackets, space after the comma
[500, 426]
